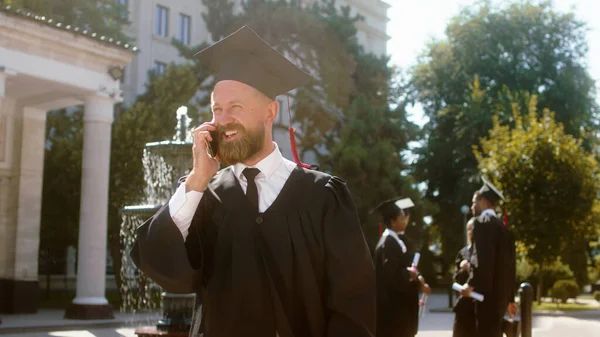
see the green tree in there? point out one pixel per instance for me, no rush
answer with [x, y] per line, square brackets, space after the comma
[371, 132]
[520, 47]
[104, 17]
[61, 189]
[563, 290]
[550, 183]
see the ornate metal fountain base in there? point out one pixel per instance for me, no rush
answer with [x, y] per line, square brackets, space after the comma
[177, 313]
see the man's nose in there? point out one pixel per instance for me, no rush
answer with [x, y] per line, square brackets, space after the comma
[223, 119]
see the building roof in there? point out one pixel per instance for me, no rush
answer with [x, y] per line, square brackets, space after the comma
[28, 15]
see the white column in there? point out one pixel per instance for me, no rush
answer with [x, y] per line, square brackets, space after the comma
[31, 174]
[91, 264]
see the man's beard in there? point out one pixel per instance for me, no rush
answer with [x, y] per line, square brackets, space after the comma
[247, 144]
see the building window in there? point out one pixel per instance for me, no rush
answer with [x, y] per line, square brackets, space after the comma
[160, 67]
[123, 2]
[185, 23]
[162, 21]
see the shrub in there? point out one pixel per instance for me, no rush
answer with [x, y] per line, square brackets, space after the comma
[562, 290]
[597, 295]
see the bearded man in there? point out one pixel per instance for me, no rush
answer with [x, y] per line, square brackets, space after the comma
[271, 248]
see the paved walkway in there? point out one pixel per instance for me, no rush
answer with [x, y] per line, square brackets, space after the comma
[49, 323]
[52, 320]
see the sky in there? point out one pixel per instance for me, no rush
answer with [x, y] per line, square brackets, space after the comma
[413, 23]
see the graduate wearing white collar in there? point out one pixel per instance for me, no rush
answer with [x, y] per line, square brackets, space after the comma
[492, 261]
[398, 286]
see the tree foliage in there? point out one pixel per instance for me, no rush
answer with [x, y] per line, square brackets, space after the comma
[520, 47]
[550, 182]
[563, 290]
[104, 17]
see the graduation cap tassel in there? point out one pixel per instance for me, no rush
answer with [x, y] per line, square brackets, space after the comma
[504, 218]
[293, 141]
[380, 229]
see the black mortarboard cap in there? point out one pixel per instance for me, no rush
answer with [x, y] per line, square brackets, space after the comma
[490, 192]
[391, 208]
[245, 57]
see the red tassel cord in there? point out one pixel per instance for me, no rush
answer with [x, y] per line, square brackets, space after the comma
[504, 218]
[295, 150]
[380, 229]
[293, 140]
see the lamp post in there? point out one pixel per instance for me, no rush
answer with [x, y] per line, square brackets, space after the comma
[464, 209]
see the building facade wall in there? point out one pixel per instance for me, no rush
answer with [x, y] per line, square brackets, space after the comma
[155, 48]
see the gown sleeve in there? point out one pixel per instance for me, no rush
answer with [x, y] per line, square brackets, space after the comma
[350, 294]
[161, 253]
[485, 239]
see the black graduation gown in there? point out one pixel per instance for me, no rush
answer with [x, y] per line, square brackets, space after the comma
[464, 309]
[492, 274]
[301, 268]
[394, 317]
[413, 289]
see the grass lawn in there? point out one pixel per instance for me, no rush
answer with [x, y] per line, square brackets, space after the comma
[545, 306]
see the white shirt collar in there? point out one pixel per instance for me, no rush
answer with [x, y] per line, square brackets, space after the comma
[485, 215]
[267, 165]
[395, 236]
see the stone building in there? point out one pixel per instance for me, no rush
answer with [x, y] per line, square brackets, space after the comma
[45, 65]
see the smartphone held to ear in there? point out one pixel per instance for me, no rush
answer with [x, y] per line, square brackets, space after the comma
[213, 145]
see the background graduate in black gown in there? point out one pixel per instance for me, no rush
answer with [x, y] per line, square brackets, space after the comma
[492, 263]
[397, 286]
[464, 309]
[415, 288]
[271, 248]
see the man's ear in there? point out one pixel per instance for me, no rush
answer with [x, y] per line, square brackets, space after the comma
[272, 111]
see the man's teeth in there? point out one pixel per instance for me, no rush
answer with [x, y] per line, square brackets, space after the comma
[230, 133]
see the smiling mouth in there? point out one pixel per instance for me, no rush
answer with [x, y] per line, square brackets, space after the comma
[227, 135]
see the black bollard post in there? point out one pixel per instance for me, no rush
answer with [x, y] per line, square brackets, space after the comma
[526, 295]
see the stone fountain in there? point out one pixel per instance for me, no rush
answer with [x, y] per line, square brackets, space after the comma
[164, 163]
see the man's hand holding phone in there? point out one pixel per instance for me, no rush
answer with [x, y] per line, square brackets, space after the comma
[204, 167]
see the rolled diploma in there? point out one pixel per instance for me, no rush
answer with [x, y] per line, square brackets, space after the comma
[474, 295]
[415, 262]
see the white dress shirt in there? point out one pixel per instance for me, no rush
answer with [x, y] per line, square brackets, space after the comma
[274, 172]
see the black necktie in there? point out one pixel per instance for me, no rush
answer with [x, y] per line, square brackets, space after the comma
[251, 190]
